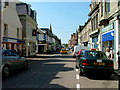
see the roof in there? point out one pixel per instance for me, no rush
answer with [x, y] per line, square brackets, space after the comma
[44, 28]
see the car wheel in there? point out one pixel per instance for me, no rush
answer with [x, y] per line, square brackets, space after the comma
[81, 72]
[6, 71]
[26, 65]
[108, 75]
[76, 66]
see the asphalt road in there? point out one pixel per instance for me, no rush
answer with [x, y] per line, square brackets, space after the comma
[55, 71]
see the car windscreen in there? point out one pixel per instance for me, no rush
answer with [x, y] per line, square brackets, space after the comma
[63, 50]
[96, 54]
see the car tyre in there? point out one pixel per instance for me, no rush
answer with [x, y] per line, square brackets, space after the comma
[76, 66]
[81, 72]
[6, 71]
[26, 65]
[108, 75]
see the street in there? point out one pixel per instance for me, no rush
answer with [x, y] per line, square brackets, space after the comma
[55, 71]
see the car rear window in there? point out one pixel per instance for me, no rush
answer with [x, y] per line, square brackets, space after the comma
[95, 54]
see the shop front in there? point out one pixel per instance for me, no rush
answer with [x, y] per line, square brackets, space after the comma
[94, 39]
[108, 40]
[12, 43]
[42, 46]
[108, 36]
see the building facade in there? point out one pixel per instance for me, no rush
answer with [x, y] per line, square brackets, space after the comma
[105, 27]
[95, 34]
[47, 41]
[41, 38]
[110, 27]
[28, 19]
[11, 27]
[83, 34]
[74, 39]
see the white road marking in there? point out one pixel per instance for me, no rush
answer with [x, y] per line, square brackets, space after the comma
[77, 70]
[78, 86]
[77, 76]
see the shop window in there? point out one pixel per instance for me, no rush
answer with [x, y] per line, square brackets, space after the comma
[96, 21]
[107, 6]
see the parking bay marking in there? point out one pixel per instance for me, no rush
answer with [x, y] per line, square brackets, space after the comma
[78, 86]
[77, 70]
[77, 76]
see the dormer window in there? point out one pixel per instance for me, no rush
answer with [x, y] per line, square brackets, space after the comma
[6, 4]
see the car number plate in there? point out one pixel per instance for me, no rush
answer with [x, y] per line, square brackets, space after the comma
[99, 60]
[99, 63]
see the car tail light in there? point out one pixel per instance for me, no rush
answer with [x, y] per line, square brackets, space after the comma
[85, 64]
[111, 65]
[85, 60]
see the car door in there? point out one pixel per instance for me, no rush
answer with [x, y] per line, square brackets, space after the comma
[81, 58]
[7, 59]
[16, 59]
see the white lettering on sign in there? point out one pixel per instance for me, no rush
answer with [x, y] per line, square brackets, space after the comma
[9, 40]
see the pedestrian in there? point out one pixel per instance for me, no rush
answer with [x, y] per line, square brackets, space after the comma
[111, 54]
[107, 52]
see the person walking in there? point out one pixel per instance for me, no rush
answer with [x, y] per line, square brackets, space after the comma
[107, 52]
[111, 54]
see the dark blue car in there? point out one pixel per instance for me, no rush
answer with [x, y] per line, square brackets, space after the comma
[94, 62]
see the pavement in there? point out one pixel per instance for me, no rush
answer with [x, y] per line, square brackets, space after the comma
[117, 72]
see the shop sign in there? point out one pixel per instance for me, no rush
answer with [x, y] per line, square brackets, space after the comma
[108, 28]
[41, 42]
[108, 36]
[10, 40]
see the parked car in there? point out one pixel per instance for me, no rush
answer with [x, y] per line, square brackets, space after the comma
[63, 51]
[80, 51]
[11, 61]
[77, 53]
[94, 62]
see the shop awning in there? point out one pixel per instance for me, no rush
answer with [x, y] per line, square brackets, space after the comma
[108, 36]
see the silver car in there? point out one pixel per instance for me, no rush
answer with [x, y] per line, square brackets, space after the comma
[11, 61]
